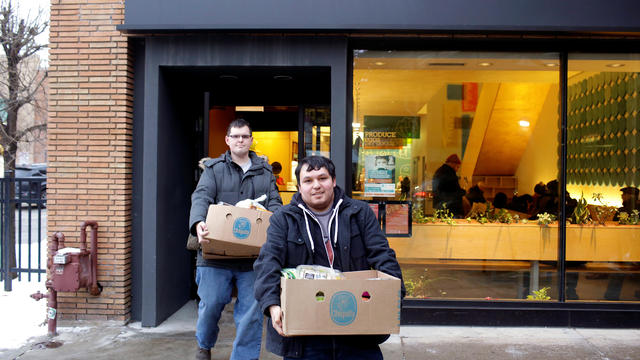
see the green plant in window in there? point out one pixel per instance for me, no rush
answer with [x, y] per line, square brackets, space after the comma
[629, 219]
[418, 217]
[540, 294]
[421, 283]
[603, 212]
[503, 216]
[442, 215]
[545, 219]
[581, 212]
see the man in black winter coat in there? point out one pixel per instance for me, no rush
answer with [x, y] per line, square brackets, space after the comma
[321, 226]
[446, 188]
[236, 175]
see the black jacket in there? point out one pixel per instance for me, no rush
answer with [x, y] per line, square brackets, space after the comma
[447, 190]
[223, 180]
[361, 245]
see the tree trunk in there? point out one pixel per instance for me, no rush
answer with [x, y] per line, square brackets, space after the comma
[9, 213]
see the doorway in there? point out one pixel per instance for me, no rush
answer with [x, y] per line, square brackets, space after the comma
[177, 80]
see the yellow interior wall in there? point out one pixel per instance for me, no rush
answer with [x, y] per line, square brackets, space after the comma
[487, 97]
[277, 146]
[540, 159]
[431, 143]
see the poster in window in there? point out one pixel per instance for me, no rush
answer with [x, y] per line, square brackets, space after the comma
[379, 176]
[397, 218]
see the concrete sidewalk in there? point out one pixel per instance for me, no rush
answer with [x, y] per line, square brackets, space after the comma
[174, 339]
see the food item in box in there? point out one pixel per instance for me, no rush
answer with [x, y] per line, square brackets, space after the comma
[253, 203]
[289, 273]
[313, 272]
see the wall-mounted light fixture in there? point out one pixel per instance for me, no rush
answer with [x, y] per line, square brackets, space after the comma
[250, 108]
[524, 123]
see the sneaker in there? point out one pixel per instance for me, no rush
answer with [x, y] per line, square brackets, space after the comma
[203, 354]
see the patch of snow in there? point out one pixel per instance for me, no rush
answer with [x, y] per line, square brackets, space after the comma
[22, 317]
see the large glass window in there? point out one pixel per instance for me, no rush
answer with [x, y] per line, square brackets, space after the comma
[471, 140]
[603, 240]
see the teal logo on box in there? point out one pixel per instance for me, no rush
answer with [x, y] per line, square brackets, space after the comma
[344, 308]
[241, 228]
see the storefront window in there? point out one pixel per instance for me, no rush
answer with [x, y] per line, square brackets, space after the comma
[603, 121]
[466, 138]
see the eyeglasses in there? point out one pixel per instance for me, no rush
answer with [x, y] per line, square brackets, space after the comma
[236, 137]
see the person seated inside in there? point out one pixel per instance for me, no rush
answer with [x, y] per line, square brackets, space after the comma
[539, 190]
[277, 169]
[630, 200]
[476, 193]
[500, 200]
[521, 203]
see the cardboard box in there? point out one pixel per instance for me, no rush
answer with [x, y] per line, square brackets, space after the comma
[341, 307]
[235, 231]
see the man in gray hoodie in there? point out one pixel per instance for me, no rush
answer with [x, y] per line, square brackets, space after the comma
[236, 175]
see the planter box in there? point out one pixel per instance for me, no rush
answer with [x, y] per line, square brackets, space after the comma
[529, 241]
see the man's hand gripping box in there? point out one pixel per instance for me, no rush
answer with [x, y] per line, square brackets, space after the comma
[366, 302]
[235, 232]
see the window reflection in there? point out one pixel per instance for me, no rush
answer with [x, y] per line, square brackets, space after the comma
[466, 137]
[602, 173]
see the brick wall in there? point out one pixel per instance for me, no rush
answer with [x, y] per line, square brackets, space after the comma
[89, 148]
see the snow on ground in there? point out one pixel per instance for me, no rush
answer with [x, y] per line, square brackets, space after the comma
[22, 317]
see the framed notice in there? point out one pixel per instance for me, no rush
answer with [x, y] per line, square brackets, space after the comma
[394, 217]
[379, 176]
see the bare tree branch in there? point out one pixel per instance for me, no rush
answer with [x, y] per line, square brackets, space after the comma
[29, 130]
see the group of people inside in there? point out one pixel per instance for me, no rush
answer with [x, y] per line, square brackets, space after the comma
[303, 232]
[545, 199]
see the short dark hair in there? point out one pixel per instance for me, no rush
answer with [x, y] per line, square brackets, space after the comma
[276, 167]
[316, 163]
[239, 123]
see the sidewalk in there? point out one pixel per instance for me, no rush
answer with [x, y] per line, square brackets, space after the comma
[174, 339]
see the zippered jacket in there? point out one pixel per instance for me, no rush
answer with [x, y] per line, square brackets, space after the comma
[359, 243]
[223, 180]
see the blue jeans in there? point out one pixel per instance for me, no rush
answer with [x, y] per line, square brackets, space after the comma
[214, 290]
[325, 348]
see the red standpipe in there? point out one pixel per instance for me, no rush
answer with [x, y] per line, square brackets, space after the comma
[55, 241]
[94, 289]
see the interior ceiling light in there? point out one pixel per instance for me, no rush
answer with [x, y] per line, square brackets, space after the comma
[250, 108]
[379, 63]
[283, 77]
[446, 64]
[524, 123]
[550, 64]
[615, 65]
[228, 77]
[485, 64]
[355, 125]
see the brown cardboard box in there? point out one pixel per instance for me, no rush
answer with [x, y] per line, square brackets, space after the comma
[343, 310]
[235, 232]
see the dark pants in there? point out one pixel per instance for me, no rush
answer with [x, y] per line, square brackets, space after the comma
[336, 348]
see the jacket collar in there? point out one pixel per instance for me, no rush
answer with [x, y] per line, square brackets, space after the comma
[257, 162]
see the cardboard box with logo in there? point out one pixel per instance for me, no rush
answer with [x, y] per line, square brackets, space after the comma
[366, 302]
[235, 232]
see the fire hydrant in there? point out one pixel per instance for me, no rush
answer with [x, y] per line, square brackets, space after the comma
[70, 269]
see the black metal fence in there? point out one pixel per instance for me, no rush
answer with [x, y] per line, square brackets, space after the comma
[23, 203]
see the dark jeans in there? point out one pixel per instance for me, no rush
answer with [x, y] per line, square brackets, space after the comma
[336, 348]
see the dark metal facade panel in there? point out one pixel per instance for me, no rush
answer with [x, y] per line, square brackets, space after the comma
[163, 129]
[381, 15]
